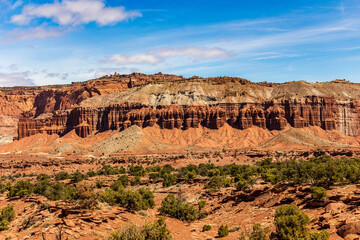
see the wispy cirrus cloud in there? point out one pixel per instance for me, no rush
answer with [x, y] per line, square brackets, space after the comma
[16, 78]
[347, 28]
[160, 55]
[11, 5]
[74, 12]
[40, 32]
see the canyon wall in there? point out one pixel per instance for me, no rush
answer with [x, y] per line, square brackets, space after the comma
[38, 100]
[325, 112]
[117, 101]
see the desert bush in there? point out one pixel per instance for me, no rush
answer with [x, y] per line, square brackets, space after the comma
[109, 170]
[88, 199]
[62, 176]
[201, 204]
[178, 208]
[150, 231]
[117, 185]
[154, 175]
[140, 199]
[217, 182]
[169, 179]
[7, 215]
[135, 181]
[318, 193]
[243, 184]
[124, 179]
[77, 177]
[99, 184]
[291, 223]
[189, 172]
[56, 190]
[322, 171]
[223, 231]
[323, 235]
[3, 187]
[153, 169]
[206, 228]
[21, 189]
[137, 171]
[257, 233]
[42, 177]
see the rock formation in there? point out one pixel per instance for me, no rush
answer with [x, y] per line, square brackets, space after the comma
[326, 113]
[117, 101]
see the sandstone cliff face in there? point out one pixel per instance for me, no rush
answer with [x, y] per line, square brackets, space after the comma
[61, 98]
[326, 113]
[12, 105]
[41, 100]
[118, 101]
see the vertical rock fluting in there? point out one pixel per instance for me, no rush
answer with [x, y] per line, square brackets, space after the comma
[348, 119]
[323, 112]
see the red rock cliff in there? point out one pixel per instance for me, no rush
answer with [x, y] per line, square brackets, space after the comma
[324, 112]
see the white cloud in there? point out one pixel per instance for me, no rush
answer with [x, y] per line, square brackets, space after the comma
[10, 4]
[75, 12]
[15, 79]
[160, 55]
[134, 59]
[193, 53]
[270, 55]
[40, 32]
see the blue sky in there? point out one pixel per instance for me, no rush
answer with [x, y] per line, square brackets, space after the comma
[57, 42]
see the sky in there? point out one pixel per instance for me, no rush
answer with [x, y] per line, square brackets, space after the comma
[46, 42]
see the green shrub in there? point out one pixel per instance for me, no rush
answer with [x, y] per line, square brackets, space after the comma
[169, 179]
[4, 225]
[137, 171]
[155, 175]
[62, 176]
[77, 177]
[140, 199]
[178, 208]
[7, 215]
[150, 231]
[166, 169]
[136, 181]
[189, 172]
[117, 185]
[217, 182]
[291, 223]
[21, 189]
[201, 204]
[90, 174]
[257, 233]
[2, 187]
[243, 184]
[99, 184]
[56, 190]
[42, 177]
[109, 170]
[223, 231]
[323, 235]
[88, 198]
[318, 193]
[206, 228]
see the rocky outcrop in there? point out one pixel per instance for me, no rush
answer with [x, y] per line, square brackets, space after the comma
[118, 101]
[311, 111]
[39, 100]
[69, 96]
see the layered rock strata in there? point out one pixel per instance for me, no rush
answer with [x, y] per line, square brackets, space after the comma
[324, 112]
